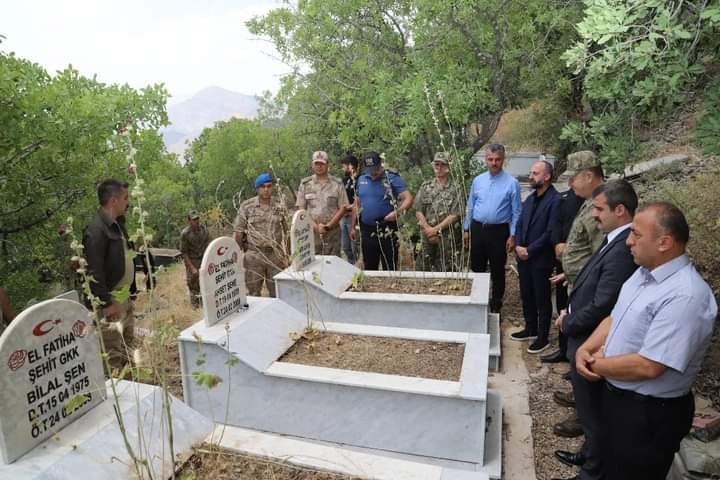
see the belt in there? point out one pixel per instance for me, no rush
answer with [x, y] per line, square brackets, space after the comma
[489, 225]
[639, 397]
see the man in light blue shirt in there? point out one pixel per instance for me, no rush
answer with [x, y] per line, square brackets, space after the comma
[493, 209]
[650, 349]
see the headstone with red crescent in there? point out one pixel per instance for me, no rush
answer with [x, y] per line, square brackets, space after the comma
[51, 374]
[222, 280]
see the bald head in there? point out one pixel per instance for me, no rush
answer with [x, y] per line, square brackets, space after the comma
[540, 175]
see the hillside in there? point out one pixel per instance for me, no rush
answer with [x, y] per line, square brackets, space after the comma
[189, 117]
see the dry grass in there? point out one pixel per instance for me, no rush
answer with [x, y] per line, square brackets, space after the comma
[161, 317]
[519, 131]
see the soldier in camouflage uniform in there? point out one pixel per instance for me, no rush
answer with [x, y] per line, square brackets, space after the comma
[261, 230]
[585, 235]
[324, 198]
[194, 239]
[584, 238]
[438, 208]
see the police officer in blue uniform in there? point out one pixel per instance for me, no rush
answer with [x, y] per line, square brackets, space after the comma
[381, 198]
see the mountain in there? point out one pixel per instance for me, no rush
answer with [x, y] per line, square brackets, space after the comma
[189, 117]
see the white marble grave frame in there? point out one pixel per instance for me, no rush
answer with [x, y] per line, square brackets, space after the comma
[423, 419]
[320, 292]
[93, 448]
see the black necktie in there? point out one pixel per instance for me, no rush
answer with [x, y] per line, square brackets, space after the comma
[604, 243]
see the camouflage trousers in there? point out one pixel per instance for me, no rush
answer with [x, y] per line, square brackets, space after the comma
[444, 256]
[193, 283]
[329, 243]
[119, 335]
[261, 265]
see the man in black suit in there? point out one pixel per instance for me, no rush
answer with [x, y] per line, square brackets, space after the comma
[568, 205]
[535, 257]
[593, 296]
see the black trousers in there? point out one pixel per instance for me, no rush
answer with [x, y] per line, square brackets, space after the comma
[487, 243]
[588, 398]
[640, 434]
[535, 292]
[379, 244]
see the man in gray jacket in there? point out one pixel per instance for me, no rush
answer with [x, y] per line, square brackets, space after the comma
[110, 265]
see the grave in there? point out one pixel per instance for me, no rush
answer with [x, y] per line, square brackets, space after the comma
[320, 291]
[451, 424]
[58, 412]
[222, 280]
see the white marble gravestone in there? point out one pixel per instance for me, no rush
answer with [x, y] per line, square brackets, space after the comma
[222, 280]
[302, 240]
[50, 374]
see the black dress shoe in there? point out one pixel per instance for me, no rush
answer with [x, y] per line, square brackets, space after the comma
[571, 459]
[556, 357]
[568, 428]
[565, 399]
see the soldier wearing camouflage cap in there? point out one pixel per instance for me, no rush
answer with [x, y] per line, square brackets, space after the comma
[585, 236]
[194, 239]
[438, 209]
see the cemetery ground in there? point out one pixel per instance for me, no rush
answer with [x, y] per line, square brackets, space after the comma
[173, 310]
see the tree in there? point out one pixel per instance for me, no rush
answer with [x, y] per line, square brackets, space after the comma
[640, 60]
[56, 146]
[368, 72]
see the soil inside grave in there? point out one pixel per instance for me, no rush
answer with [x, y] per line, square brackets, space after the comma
[221, 464]
[394, 356]
[424, 286]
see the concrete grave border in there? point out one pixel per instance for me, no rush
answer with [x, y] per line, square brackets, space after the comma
[93, 447]
[320, 292]
[427, 420]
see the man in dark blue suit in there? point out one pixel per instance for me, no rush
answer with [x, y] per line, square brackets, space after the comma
[593, 296]
[535, 257]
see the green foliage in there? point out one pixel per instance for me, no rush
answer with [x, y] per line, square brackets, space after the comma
[246, 148]
[367, 72]
[56, 146]
[75, 402]
[206, 379]
[232, 361]
[639, 59]
[357, 280]
[708, 128]
[603, 134]
[121, 295]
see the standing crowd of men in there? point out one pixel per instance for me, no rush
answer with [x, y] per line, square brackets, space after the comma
[634, 316]
[634, 326]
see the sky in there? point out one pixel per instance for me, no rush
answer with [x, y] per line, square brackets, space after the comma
[185, 44]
